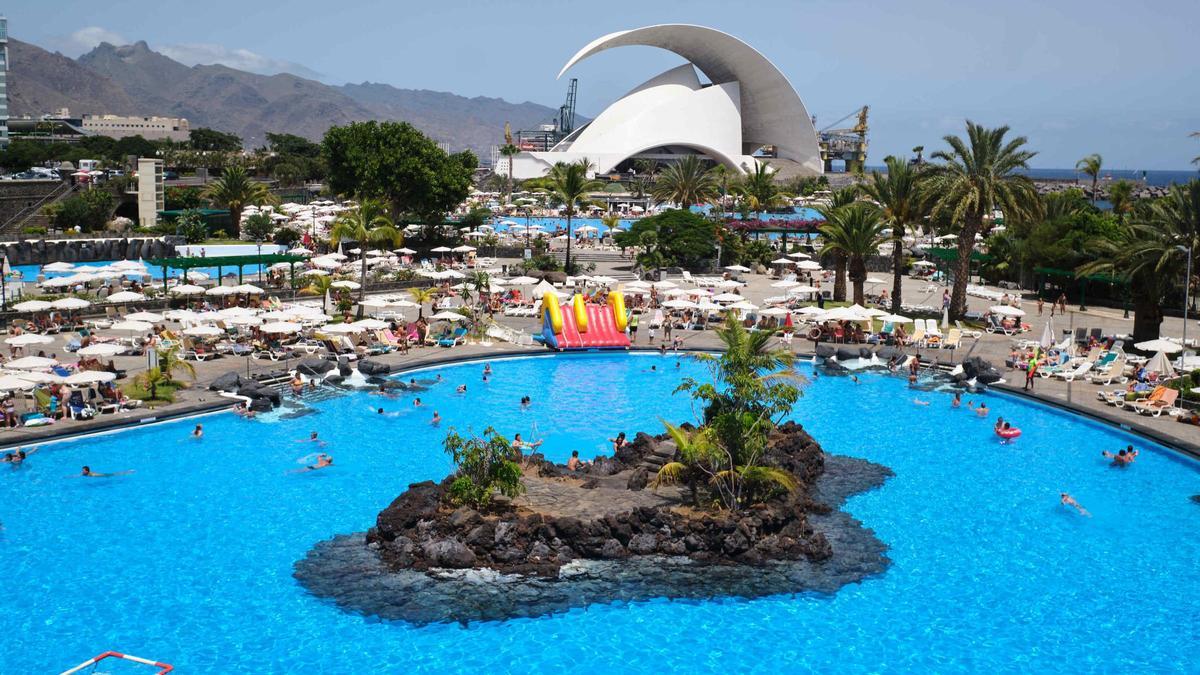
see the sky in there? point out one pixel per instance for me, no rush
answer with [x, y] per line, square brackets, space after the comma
[1076, 78]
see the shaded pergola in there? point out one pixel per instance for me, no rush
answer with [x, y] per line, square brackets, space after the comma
[949, 256]
[221, 262]
[1083, 281]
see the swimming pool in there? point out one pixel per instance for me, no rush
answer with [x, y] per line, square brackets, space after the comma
[189, 560]
[30, 272]
[551, 223]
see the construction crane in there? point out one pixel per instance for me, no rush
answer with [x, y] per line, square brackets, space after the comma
[546, 136]
[847, 144]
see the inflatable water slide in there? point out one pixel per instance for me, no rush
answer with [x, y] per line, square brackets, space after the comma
[578, 325]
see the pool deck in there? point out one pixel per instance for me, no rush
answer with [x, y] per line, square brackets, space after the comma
[1078, 396]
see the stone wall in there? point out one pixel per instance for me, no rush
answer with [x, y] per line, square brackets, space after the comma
[42, 251]
[18, 195]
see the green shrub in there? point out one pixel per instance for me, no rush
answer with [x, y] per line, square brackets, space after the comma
[484, 466]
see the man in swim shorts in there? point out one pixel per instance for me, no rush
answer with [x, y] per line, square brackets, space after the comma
[1067, 500]
[1123, 458]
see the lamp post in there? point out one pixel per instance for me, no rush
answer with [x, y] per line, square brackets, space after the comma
[1187, 285]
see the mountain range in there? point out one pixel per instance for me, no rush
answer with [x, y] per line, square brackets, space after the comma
[136, 80]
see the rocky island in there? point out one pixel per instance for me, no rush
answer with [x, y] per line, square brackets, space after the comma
[602, 534]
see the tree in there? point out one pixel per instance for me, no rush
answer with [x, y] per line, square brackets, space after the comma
[191, 226]
[131, 145]
[89, 211]
[480, 282]
[570, 184]
[682, 237]
[760, 190]
[396, 163]
[685, 183]
[979, 175]
[1120, 195]
[178, 198]
[1090, 166]
[484, 466]
[613, 222]
[509, 150]
[1150, 253]
[422, 295]
[202, 138]
[291, 144]
[169, 361]
[855, 232]
[753, 387]
[258, 228]
[918, 150]
[235, 190]
[839, 200]
[319, 285]
[368, 225]
[899, 196]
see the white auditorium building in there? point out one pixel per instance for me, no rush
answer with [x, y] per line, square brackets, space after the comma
[746, 105]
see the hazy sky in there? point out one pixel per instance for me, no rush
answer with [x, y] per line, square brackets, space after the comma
[1121, 79]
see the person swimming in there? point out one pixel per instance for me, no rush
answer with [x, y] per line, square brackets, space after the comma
[417, 402]
[526, 401]
[437, 419]
[854, 378]
[487, 369]
[1122, 458]
[998, 425]
[654, 369]
[88, 473]
[323, 460]
[312, 438]
[384, 391]
[980, 410]
[1067, 500]
[918, 401]
[198, 432]
[461, 389]
[957, 400]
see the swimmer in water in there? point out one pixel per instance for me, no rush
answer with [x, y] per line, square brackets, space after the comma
[437, 419]
[998, 425]
[417, 402]
[854, 378]
[957, 400]
[981, 409]
[438, 378]
[1123, 458]
[678, 365]
[487, 370]
[312, 438]
[526, 401]
[462, 389]
[384, 391]
[920, 402]
[323, 460]
[198, 432]
[654, 369]
[18, 456]
[1067, 500]
[88, 473]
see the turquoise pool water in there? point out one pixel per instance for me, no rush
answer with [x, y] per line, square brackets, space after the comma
[549, 224]
[189, 560]
[30, 272]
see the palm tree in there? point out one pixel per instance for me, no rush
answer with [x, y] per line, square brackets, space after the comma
[421, 296]
[978, 176]
[509, 150]
[169, 361]
[918, 150]
[320, 284]
[570, 184]
[855, 231]
[1090, 166]
[368, 224]
[235, 190]
[1120, 195]
[839, 200]
[1195, 134]
[685, 183]
[612, 221]
[1150, 252]
[760, 189]
[898, 193]
[480, 281]
[722, 175]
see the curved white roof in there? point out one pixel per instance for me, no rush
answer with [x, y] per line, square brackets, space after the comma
[771, 110]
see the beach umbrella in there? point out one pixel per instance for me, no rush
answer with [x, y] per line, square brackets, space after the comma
[542, 288]
[785, 284]
[808, 265]
[945, 317]
[39, 376]
[59, 267]
[193, 275]
[1005, 310]
[706, 305]
[203, 331]
[798, 255]
[245, 320]
[31, 363]
[1047, 340]
[299, 250]
[27, 339]
[893, 318]
[343, 328]
[737, 268]
[371, 324]
[447, 316]
[680, 304]
[1160, 363]
[728, 297]
[463, 249]
[663, 285]
[181, 315]
[603, 280]
[404, 251]
[220, 290]
[90, 377]
[521, 281]
[314, 273]
[238, 311]
[129, 265]
[247, 289]
[186, 289]
[14, 383]
[125, 296]
[728, 283]
[32, 306]
[441, 249]
[281, 327]
[774, 311]
[344, 283]
[102, 349]
[875, 280]
[1160, 345]
[783, 261]
[802, 290]
[743, 305]
[133, 326]
[144, 316]
[71, 303]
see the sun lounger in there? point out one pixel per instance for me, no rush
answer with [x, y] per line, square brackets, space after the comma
[1154, 396]
[995, 326]
[455, 339]
[1114, 370]
[1116, 397]
[967, 332]
[1069, 375]
[953, 339]
[1156, 407]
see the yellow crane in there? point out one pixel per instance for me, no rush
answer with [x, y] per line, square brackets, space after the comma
[848, 144]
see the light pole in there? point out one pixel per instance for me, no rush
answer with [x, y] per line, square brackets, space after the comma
[1187, 285]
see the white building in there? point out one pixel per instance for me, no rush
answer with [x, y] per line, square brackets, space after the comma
[149, 128]
[151, 191]
[3, 82]
[746, 105]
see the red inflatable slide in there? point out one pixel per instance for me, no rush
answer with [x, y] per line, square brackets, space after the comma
[600, 328]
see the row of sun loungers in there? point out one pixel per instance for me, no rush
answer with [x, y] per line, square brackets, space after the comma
[1161, 400]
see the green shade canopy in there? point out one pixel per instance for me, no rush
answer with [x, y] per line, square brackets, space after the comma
[951, 255]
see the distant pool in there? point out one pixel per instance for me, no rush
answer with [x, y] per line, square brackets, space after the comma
[189, 560]
[31, 272]
[550, 224]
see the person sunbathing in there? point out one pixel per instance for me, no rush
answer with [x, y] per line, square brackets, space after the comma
[575, 464]
[1067, 500]
[518, 444]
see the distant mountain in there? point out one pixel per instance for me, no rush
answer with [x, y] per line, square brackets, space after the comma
[134, 79]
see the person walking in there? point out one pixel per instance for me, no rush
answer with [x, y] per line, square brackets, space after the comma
[1040, 304]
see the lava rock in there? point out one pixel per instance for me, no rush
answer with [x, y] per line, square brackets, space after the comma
[314, 367]
[449, 553]
[228, 382]
[638, 479]
[371, 367]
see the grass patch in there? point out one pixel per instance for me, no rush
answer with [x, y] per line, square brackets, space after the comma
[164, 394]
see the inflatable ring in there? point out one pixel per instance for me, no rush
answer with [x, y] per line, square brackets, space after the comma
[814, 334]
[1009, 433]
